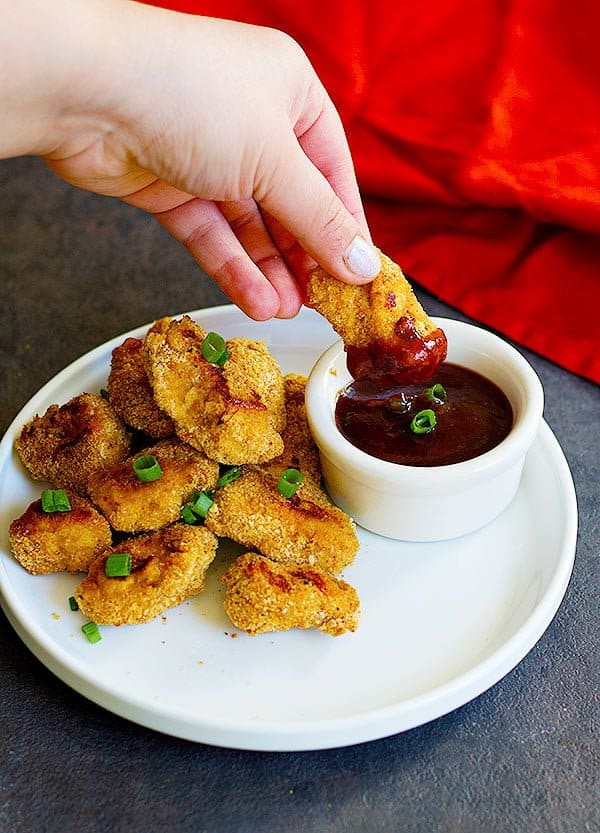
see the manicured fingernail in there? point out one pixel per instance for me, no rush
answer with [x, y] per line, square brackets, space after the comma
[362, 259]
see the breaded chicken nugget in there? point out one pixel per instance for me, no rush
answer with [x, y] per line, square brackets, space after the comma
[130, 392]
[387, 334]
[233, 413]
[305, 530]
[299, 448]
[132, 505]
[166, 567]
[69, 443]
[50, 542]
[263, 596]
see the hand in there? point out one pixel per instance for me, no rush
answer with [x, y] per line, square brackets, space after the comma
[225, 134]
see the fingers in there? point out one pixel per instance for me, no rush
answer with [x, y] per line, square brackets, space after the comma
[249, 227]
[300, 197]
[325, 144]
[202, 228]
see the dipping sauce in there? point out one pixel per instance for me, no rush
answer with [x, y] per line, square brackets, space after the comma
[474, 417]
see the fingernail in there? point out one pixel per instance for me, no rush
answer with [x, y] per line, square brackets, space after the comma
[362, 259]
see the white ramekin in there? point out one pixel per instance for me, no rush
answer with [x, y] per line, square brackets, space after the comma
[414, 503]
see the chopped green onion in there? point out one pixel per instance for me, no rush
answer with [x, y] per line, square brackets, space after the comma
[147, 468]
[214, 350]
[423, 422]
[55, 500]
[229, 476]
[289, 482]
[436, 394]
[397, 404]
[118, 564]
[73, 603]
[201, 503]
[187, 516]
[91, 632]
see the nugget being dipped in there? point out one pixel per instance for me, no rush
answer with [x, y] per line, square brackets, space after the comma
[167, 567]
[134, 505]
[299, 448]
[263, 596]
[387, 335]
[305, 529]
[49, 542]
[234, 411]
[130, 393]
[68, 444]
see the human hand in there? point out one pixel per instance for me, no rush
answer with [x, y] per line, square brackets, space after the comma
[225, 134]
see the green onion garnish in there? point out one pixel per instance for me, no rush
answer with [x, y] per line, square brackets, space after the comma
[229, 476]
[187, 516]
[200, 504]
[73, 603]
[91, 632]
[423, 422]
[147, 468]
[55, 500]
[118, 564]
[214, 349]
[289, 482]
[436, 394]
[397, 404]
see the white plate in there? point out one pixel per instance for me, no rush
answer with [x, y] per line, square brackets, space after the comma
[440, 624]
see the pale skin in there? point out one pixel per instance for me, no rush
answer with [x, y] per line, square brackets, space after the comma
[222, 131]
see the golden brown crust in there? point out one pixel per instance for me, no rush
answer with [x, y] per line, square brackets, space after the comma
[167, 567]
[263, 596]
[299, 448]
[130, 392]
[51, 542]
[305, 530]
[69, 443]
[132, 505]
[360, 313]
[234, 413]
[387, 335]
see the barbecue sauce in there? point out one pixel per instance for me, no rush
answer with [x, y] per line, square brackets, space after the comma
[474, 418]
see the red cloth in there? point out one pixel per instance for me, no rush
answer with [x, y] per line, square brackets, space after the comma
[475, 131]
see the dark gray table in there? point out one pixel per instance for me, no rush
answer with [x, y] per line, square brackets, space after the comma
[76, 270]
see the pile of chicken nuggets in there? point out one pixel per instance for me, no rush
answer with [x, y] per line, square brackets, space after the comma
[165, 400]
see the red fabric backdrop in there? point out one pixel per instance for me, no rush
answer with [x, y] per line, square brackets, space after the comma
[475, 131]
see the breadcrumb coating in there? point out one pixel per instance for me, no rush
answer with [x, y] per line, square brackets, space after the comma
[167, 567]
[263, 596]
[68, 444]
[304, 530]
[132, 505]
[130, 392]
[299, 448]
[50, 542]
[386, 332]
[232, 413]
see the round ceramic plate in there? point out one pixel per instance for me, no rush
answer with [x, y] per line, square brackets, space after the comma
[440, 622]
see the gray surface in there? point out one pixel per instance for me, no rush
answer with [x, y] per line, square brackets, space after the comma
[76, 270]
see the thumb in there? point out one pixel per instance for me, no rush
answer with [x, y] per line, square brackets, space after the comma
[301, 199]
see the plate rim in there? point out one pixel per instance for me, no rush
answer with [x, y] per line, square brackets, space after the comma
[321, 733]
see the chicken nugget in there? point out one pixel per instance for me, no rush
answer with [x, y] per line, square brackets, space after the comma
[69, 443]
[133, 505]
[305, 529]
[51, 542]
[299, 448]
[263, 596]
[167, 567]
[387, 335]
[233, 413]
[130, 392]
